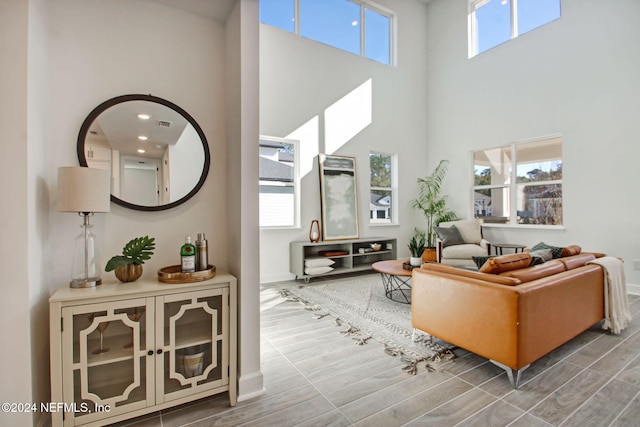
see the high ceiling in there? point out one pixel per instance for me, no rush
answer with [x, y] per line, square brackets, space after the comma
[217, 10]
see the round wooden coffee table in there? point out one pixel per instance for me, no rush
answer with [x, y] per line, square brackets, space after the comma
[396, 280]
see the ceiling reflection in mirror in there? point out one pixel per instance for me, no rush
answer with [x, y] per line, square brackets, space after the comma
[157, 154]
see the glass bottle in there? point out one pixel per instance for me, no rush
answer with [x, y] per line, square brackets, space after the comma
[202, 259]
[188, 256]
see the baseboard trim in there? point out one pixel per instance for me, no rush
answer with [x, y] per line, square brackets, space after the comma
[633, 289]
[250, 386]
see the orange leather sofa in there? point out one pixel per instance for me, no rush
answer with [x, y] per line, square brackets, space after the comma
[514, 317]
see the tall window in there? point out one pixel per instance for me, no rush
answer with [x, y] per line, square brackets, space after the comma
[356, 26]
[519, 183]
[382, 187]
[279, 201]
[492, 22]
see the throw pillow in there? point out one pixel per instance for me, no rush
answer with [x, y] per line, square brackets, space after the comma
[318, 262]
[555, 250]
[449, 235]
[317, 270]
[480, 260]
[540, 256]
[571, 250]
[504, 263]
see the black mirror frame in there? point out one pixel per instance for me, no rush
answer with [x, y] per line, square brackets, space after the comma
[84, 130]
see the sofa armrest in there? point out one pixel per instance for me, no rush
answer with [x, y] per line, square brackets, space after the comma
[487, 245]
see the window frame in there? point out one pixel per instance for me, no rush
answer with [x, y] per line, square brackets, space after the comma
[364, 5]
[513, 185]
[393, 219]
[472, 31]
[295, 184]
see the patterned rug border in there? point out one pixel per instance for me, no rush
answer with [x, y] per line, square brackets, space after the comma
[361, 334]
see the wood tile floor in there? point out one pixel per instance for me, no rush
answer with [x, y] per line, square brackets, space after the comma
[314, 376]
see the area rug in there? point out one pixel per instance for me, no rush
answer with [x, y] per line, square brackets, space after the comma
[362, 312]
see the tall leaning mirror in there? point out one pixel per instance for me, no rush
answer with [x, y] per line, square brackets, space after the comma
[156, 152]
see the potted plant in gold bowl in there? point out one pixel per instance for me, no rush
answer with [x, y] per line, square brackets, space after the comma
[128, 266]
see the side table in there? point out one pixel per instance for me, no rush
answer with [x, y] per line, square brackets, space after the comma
[396, 280]
[500, 246]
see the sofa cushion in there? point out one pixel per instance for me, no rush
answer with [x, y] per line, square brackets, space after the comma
[555, 250]
[450, 236]
[541, 256]
[536, 272]
[576, 261]
[494, 278]
[480, 260]
[571, 250]
[506, 263]
[470, 230]
[465, 251]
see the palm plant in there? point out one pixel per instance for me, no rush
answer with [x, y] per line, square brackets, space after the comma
[432, 203]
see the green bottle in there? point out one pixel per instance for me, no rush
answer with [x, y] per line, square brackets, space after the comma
[188, 256]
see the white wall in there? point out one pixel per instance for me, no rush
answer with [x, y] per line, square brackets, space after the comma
[242, 119]
[182, 156]
[61, 59]
[101, 49]
[14, 245]
[300, 79]
[576, 76]
[38, 202]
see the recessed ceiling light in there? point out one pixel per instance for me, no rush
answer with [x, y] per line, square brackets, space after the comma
[142, 138]
[158, 146]
[140, 150]
[144, 116]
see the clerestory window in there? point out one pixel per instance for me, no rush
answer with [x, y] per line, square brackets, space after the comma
[357, 26]
[493, 22]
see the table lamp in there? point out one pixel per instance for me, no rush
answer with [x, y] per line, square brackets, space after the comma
[85, 191]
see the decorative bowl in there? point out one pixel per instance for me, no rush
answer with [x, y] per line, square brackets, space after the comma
[376, 247]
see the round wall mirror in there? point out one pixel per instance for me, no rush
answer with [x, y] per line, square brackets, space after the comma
[157, 154]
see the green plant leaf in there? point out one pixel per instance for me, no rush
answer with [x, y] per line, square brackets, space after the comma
[431, 202]
[136, 251]
[117, 261]
[139, 249]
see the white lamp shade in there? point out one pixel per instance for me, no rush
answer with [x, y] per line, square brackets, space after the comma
[82, 189]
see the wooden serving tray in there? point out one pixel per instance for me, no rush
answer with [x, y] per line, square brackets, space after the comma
[333, 253]
[172, 274]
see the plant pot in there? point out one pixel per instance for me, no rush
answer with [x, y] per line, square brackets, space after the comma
[415, 261]
[129, 272]
[429, 255]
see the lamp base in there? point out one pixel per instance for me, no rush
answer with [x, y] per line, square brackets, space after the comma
[90, 282]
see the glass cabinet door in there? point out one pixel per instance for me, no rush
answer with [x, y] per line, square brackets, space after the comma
[106, 346]
[194, 344]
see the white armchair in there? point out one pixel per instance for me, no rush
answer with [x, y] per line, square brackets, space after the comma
[456, 246]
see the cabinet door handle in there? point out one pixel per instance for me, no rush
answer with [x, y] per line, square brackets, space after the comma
[159, 351]
[150, 353]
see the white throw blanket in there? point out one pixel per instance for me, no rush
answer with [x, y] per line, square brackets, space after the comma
[616, 305]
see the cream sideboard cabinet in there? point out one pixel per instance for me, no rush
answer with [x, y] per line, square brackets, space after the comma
[121, 350]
